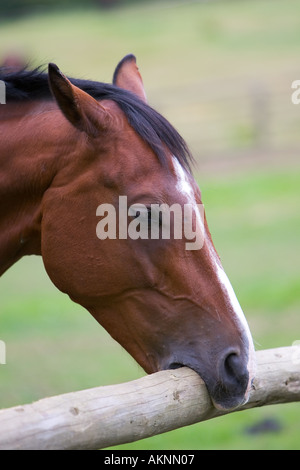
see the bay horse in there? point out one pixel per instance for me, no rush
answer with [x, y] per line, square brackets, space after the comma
[68, 145]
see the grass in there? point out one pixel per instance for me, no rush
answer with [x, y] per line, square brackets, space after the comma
[255, 222]
[192, 57]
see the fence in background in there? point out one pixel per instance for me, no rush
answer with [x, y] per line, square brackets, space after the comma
[234, 115]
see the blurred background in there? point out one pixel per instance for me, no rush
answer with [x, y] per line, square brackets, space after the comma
[221, 72]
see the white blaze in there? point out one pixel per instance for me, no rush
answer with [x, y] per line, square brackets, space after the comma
[184, 187]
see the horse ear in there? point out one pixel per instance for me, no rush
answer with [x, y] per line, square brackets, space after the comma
[81, 109]
[127, 76]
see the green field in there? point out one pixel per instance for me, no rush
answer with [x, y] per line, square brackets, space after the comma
[252, 200]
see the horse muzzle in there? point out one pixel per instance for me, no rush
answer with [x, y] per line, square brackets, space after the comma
[228, 378]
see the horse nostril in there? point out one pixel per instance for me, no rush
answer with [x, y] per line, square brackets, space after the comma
[235, 374]
[231, 364]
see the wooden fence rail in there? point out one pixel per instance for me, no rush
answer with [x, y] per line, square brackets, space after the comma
[111, 415]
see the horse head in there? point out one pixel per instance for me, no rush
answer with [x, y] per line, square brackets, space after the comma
[169, 304]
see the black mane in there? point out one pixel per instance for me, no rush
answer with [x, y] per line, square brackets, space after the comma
[29, 85]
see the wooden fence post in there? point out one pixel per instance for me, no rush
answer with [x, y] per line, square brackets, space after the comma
[111, 415]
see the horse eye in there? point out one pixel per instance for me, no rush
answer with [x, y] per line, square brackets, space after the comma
[156, 218]
[139, 213]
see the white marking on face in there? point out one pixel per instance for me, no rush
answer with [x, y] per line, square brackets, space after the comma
[241, 317]
[222, 276]
[184, 187]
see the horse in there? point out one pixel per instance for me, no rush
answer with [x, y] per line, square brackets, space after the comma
[69, 145]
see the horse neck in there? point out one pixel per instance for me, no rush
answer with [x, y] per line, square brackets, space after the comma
[29, 160]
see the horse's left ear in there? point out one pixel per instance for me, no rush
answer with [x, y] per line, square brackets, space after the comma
[127, 76]
[80, 108]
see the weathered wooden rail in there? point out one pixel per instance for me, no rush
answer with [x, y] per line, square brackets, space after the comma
[105, 416]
